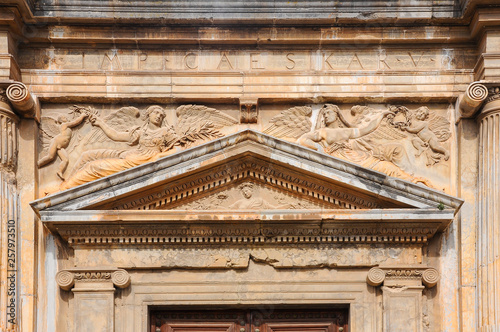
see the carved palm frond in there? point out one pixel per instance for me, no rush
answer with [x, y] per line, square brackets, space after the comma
[293, 123]
[205, 131]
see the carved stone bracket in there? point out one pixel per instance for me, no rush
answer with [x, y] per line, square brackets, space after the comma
[66, 279]
[249, 110]
[403, 276]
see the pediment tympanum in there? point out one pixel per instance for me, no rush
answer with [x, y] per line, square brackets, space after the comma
[247, 187]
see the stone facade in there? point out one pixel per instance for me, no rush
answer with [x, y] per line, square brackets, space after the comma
[331, 166]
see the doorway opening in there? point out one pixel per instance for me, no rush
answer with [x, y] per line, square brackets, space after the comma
[256, 319]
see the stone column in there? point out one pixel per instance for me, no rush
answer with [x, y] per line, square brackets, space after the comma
[9, 262]
[93, 290]
[402, 295]
[488, 244]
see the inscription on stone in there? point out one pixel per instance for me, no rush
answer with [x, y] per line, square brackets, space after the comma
[244, 60]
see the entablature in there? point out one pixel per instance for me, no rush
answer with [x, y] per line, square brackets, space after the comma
[155, 228]
[347, 203]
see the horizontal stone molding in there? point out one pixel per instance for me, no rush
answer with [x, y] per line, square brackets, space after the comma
[403, 276]
[312, 226]
[66, 278]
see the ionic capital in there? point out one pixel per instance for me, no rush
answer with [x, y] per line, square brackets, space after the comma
[403, 276]
[22, 100]
[492, 104]
[66, 279]
[474, 96]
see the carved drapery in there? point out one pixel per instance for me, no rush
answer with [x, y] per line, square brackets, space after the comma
[489, 213]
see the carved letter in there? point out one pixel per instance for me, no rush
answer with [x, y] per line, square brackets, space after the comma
[447, 60]
[415, 63]
[381, 60]
[143, 56]
[224, 61]
[190, 60]
[111, 62]
[330, 65]
[254, 61]
[292, 64]
[354, 59]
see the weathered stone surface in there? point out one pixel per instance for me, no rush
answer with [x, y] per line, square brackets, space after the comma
[249, 154]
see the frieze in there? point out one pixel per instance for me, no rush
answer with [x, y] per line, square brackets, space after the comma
[290, 61]
[369, 137]
[86, 144]
[256, 233]
[147, 134]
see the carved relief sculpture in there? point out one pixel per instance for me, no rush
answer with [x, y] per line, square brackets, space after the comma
[149, 134]
[370, 138]
[58, 133]
[429, 132]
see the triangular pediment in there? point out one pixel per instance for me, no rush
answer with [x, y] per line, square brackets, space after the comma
[248, 176]
[269, 163]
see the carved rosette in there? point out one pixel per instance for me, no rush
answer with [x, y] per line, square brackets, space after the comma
[66, 278]
[403, 275]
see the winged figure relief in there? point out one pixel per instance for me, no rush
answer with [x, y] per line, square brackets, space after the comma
[428, 130]
[293, 123]
[56, 138]
[148, 132]
[368, 137]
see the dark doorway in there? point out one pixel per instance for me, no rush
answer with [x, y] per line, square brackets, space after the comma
[265, 319]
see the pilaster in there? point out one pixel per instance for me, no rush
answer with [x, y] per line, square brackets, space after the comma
[17, 231]
[9, 264]
[402, 301]
[93, 290]
[489, 213]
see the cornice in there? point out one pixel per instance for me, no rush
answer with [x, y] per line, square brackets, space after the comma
[174, 228]
[145, 177]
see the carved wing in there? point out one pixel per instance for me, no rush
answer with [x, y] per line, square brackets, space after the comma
[190, 117]
[440, 126]
[294, 122]
[49, 128]
[124, 119]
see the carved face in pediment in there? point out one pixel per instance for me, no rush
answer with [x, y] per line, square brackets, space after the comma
[252, 196]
